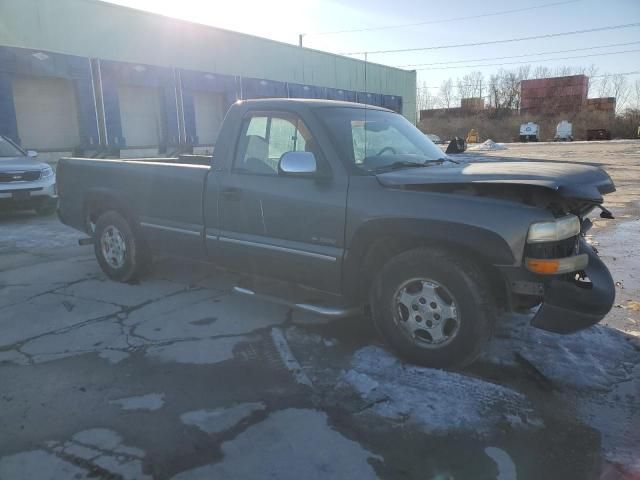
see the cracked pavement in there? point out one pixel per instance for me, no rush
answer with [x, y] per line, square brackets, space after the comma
[177, 377]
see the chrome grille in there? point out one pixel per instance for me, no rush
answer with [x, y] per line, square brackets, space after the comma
[20, 176]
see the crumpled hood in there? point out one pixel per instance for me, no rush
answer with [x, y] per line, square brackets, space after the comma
[570, 180]
[10, 164]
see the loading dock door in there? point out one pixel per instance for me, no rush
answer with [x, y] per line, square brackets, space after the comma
[140, 115]
[46, 113]
[209, 110]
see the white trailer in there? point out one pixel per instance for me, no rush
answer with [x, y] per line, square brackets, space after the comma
[564, 132]
[529, 132]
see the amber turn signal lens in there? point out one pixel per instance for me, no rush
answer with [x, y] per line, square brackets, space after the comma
[544, 267]
[555, 266]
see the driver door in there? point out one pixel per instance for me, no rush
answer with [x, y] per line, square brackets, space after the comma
[277, 225]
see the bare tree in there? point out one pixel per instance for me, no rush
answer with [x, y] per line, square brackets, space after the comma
[464, 87]
[620, 90]
[470, 85]
[504, 90]
[541, 72]
[604, 86]
[524, 72]
[564, 71]
[424, 98]
[591, 72]
[446, 95]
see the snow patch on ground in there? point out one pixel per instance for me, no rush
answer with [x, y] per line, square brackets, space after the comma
[151, 401]
[596, 358]
[424, 396]
[220, 419]
[38, 464]
[198, 352]
[89, 454]
[596, 371]
[288, 359]
[487, 146]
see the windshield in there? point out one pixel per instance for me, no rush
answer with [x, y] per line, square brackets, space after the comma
[8, 149]
[375, 139]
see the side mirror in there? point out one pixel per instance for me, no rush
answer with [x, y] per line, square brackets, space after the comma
[301, 164]
[32, 153]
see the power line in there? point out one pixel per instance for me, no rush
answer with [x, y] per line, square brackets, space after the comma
[517, 56]
[635, 72]
[494, 42]
[534, 61]
[445, 20]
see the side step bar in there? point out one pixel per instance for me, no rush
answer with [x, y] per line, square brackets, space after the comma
[322, 310]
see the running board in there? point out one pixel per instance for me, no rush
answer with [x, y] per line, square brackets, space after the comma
[322, 310]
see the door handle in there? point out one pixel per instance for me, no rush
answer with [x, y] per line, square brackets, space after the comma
[231, 193]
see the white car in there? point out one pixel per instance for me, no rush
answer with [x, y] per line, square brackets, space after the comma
[25, 183]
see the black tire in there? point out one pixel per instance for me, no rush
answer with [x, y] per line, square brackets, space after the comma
[47, 208]
[464, 282]
[135, 258]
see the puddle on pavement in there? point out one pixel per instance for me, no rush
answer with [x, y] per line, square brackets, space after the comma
[560, 452]
[561, 446]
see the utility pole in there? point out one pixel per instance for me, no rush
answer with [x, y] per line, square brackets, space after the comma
[300, 39]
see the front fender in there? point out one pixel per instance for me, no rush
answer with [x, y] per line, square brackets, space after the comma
[486, 245]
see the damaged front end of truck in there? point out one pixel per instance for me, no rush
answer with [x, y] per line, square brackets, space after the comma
[558, 271]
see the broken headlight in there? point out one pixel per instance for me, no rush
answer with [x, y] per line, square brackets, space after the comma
[560, 229]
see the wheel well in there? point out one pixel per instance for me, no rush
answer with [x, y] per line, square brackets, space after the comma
[98, 204]
[384, 249]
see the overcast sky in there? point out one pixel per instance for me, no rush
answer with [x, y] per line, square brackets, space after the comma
[283, 20]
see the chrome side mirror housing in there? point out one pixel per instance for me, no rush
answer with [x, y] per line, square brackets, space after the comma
[302, 164]
[32, 153]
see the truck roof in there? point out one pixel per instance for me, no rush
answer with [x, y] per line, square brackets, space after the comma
[309, 102]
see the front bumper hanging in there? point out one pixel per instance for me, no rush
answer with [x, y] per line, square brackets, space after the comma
[570, 305]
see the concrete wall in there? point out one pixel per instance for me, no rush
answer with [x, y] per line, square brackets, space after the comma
[89, 28]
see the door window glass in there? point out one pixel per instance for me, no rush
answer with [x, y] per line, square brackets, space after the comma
[268, 136]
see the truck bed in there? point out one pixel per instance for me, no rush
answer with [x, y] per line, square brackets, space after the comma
[157, 190]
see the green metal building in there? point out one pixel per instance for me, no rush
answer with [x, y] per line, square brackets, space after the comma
[88, 75]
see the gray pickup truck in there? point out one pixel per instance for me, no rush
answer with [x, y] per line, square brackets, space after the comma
[337, 207]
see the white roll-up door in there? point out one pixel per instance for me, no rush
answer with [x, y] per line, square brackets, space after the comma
[46, 113]
[209, 110]
[140, 115]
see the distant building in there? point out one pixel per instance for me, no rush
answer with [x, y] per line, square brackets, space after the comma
[467, 106]
[604, 104]
[539, 97]
[473, 104]
[550, 96]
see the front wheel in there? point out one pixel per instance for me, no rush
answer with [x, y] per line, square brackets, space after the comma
[120, 250]
[432, 308]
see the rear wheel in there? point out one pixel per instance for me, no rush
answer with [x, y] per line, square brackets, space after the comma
[120, 250]
[432, 308]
